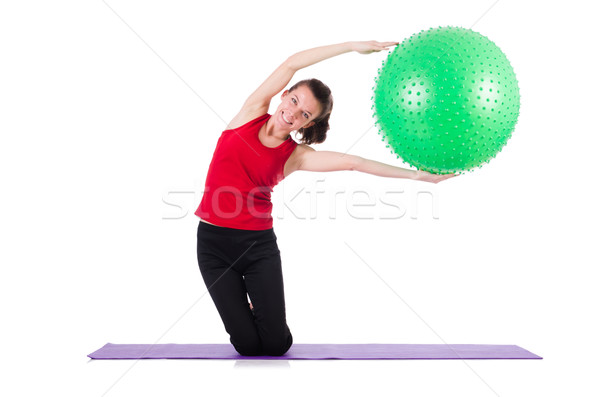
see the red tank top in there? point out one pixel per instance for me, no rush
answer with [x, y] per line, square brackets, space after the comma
[241, 177]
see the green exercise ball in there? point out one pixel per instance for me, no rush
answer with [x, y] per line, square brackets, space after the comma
[446, 100]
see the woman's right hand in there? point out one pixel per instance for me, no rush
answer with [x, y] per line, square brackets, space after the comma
[425, 176]
[367, 47]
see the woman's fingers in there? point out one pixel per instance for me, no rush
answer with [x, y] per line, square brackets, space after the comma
[367, 47]
[434, 178]
[448, 176]
[388, 43]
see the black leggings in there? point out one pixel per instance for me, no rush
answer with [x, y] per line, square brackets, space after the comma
[236, 262]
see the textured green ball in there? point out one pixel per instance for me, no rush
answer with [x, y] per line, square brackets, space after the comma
[446, 100]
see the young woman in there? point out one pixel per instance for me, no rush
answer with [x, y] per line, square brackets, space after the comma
[237, 249]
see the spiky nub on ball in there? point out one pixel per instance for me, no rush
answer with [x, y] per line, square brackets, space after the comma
[446, 100]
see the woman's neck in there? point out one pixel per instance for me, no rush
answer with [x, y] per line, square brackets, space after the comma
[270, 131]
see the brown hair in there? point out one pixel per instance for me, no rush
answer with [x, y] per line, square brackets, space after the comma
[318, 131]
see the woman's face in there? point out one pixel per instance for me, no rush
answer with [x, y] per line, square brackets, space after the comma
[298, 109]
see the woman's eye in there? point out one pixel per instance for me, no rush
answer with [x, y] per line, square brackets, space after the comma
[294, 100]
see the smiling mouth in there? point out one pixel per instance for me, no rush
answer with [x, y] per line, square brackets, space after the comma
[284, 119]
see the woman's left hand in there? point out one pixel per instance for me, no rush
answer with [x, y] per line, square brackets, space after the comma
[425, 176]
[367, 47]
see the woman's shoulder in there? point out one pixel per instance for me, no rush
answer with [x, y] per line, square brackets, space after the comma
[295, 160]
[246, 116]
[299, 151]
[303, 148]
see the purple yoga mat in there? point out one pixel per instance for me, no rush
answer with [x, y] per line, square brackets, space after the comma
[318, 352]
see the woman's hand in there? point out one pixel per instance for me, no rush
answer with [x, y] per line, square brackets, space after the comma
[367, 47]
[425, 176]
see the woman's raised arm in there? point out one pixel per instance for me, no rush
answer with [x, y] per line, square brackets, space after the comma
[279, 79]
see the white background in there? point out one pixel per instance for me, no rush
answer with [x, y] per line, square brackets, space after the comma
[110, 111]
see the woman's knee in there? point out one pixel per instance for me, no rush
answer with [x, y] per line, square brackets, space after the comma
[251, 350]
[273, 347]
[277, 347]
[246, 343]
